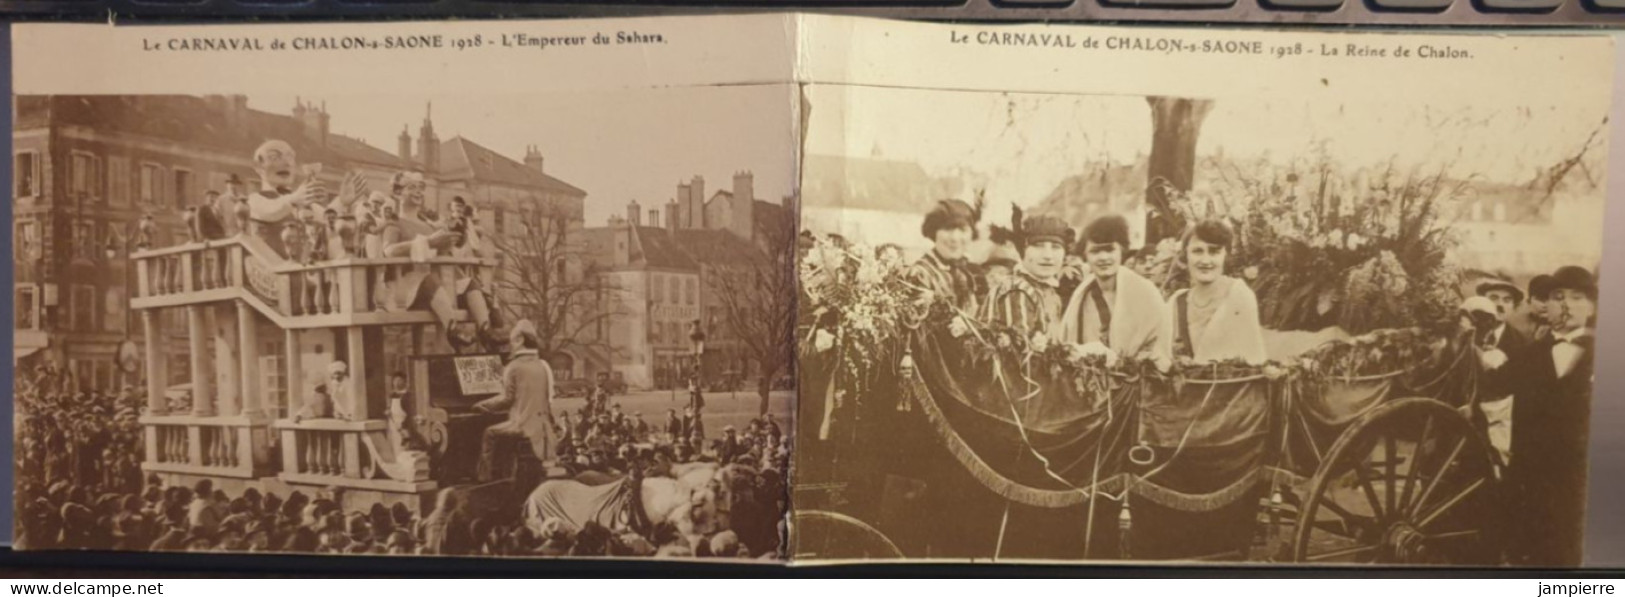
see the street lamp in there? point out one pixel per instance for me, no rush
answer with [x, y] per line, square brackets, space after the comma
[126, 361]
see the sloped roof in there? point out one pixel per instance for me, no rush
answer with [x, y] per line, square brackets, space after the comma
[359, 151]
[460, 157]
[1113, 187]
[657, 248]
[712, 247]
[866, 183]
[191, 120]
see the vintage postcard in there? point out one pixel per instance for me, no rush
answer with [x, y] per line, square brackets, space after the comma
[1082, 294]
[807, 289]
[517, 289]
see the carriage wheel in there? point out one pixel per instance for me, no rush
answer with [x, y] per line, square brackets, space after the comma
[1411, 482]
[834, 536]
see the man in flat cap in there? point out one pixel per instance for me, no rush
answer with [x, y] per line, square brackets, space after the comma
[1540, 321]
[1506, 297]
[1546, 477]
[1496, 344]
[1031, 300]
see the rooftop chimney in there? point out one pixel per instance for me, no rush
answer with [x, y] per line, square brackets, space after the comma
[313, 120]
[403, 145]
[681, 221]
[742, 219]
[533, 158]
[674, 212]
[696, 203]
[633, 213]
[654, 218]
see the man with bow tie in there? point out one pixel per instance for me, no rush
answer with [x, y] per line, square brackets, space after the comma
[1546, 475]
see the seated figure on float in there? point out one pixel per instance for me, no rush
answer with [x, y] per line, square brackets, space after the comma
[273, 218]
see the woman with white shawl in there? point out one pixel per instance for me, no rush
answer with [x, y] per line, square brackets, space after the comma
[1115, 312]
[1216, 319]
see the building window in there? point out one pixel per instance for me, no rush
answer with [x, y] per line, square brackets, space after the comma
[27, 310]
[113, 318]
[152, 183]
[84, 240]
[500, 220]
[118, 180]
[26, 169]
[27, 242]
[688, 292]
[83, 311]
[183, 187]
[84, 175]
[673, 293]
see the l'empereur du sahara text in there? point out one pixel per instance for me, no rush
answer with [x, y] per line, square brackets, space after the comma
[431, 41]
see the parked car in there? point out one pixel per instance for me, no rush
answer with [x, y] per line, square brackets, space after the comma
[613, 382]
[572, 388]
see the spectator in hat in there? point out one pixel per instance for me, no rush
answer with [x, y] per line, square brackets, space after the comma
[1507, 297]
[1115, 311]
[730, 447]
[1001, 262]
[1496, 341]
[1031, 301]
[1540, 290]
[202, 512]
[1552, 380]
[942, 273]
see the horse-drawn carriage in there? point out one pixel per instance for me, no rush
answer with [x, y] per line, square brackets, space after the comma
[1360, 450]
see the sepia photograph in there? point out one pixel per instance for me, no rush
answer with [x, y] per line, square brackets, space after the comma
[528, 325]
[1257, 328]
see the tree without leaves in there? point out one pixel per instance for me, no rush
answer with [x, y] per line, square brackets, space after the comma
[566, 304]
[757, 293]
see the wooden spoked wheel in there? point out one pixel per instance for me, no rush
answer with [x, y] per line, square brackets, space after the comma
[835, 536]
[1410, 482]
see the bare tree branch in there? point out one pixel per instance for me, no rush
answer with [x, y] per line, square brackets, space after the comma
[546, 277]
[758, 297]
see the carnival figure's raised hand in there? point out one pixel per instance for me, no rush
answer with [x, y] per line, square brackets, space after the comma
[958, 326]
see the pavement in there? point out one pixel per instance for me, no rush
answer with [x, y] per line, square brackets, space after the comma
[721, 408]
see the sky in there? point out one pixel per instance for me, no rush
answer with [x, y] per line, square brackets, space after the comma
[1023, 145]
[618, 146]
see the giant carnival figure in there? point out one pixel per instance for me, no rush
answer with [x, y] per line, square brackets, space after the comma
[276, 215]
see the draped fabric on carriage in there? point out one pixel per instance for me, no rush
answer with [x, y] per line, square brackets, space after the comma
[1193, 446]
[1190, 442]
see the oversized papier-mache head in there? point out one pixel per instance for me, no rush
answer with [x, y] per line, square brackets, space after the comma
[276, 162]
